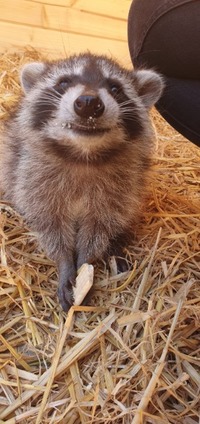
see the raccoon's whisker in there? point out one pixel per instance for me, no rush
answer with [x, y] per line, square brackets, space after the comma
[128, 110]
[56, 93]
[47, 111]
[46, 104]
[130, 113]
[129, 107]
[126, 102]
[50, 96]
[48, 100]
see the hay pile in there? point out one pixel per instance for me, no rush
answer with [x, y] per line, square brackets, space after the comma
[133, 356]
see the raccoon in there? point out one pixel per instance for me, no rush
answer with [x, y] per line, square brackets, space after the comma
[75, 157]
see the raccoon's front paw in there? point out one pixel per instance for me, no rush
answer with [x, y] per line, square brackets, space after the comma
[121, 264]
[65, 292]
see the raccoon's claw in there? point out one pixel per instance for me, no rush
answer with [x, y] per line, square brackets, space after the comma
[67, 279]
[122, 264]
[65, 293]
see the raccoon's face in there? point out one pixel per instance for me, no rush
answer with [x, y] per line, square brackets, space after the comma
[87, 100]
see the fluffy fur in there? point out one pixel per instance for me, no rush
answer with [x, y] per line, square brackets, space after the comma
[78, 178]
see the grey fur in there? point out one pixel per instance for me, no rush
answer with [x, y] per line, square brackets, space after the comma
[79, 188]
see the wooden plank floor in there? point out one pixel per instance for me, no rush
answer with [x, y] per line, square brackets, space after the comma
[66, 26]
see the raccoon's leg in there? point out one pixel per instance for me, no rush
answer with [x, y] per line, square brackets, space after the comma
[91, 246]
[96, 244]
[61, 250]
[67, 278]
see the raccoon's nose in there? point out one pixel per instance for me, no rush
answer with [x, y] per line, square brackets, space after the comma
[88, 105]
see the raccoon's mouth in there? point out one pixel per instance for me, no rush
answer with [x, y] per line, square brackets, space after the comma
[88, 128]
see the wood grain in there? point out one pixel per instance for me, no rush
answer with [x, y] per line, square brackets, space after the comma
[59, 43]
[62, 19]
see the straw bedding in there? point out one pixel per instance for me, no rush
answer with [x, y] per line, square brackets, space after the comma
[133, 355]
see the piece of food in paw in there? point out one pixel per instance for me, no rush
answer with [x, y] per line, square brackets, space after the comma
[84, 282]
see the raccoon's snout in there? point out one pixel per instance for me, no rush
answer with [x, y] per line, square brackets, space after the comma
[87, 106]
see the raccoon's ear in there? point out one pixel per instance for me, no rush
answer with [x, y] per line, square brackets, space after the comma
[30, 74]
[149, 86]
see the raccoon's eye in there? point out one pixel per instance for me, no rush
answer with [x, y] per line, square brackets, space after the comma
[115, 88]
[62, 85]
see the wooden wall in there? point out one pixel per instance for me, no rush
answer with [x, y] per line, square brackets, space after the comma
[66, 26]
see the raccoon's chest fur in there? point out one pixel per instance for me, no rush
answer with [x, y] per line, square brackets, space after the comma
[46, 187]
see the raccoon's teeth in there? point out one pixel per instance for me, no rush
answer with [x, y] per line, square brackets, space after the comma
[66, 125]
